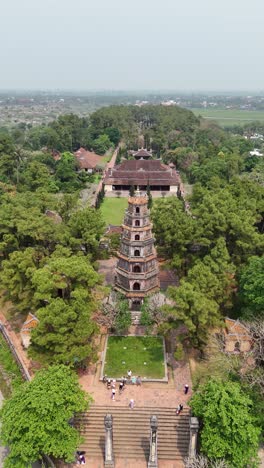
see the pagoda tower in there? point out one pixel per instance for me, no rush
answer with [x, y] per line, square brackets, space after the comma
[137, 274]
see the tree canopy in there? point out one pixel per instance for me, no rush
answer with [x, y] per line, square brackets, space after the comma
[252, 286]
[229, 428]
[36, 419]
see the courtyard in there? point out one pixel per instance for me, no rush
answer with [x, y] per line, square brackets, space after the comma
[143, 355]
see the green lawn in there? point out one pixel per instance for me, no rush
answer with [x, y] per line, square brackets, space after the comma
[131, 352]
[228, 117]
[113, 210]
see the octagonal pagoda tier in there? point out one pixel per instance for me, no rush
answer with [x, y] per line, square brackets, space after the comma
[137, 273]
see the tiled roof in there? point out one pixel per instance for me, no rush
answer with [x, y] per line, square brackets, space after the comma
[145, 172]
[142, 153]
[88, 159]
[138, 200]
[31, 322]
[236, 329]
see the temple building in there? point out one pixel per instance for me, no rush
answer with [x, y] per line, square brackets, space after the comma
[142, 173]
[137, 274]
[141, 154]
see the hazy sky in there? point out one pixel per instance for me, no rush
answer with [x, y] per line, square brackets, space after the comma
[132, 44]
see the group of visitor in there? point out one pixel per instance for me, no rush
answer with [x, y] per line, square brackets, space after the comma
[130, 379]
[133, 379]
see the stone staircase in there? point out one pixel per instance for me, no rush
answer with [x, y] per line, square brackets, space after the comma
[135, 317]
[131, 432]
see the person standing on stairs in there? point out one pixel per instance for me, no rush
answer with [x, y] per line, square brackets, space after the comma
[131, 403]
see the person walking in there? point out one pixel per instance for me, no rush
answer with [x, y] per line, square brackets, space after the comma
[131, 403]
[113, 394]
[121, 388]
[186, 389]
[179, 409]
[129, 374]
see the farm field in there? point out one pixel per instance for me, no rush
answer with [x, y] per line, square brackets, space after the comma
[113, 210]
[144, 355]
[228, 117]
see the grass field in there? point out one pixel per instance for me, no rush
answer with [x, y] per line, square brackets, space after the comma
[228, 117]
[113, 210]
[142, 354]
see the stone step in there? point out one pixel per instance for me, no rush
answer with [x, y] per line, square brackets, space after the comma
[131, 432]
[138, 409]
[135, 317]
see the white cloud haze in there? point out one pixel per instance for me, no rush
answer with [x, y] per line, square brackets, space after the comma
[139, 44]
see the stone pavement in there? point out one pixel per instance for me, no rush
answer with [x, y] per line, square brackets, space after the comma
[149, 394]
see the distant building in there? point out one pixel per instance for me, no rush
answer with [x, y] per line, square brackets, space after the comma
[88, 161]
[169, 103]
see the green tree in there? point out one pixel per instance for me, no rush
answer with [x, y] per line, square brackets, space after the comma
[197, 312]
[145, 317]
[86, 227]
[41, 137]
[63, 275]
[174, 229]
[132, 190]
[214, 275]
[102, 144]
[7, 158]
[66, 175]
[229, 428]
[23, 223]
[113, 134]
[16, 277]
[36, 176]
[150, 199]
[65, 332]
[36, 419]
[222, 214]
[251, 285]
[123, 316]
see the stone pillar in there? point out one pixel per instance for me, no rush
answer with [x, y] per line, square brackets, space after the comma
[194, 427]
[109, 455]
[153, 445]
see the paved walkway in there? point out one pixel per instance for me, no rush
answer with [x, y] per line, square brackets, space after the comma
[149, 394]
